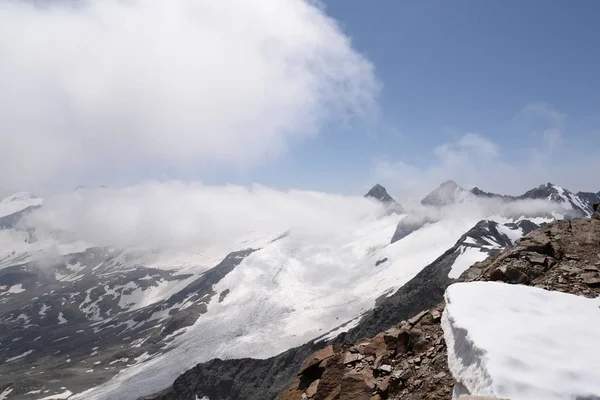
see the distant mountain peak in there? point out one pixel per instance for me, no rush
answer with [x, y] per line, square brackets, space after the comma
[18, 202]
[447, 193]
[379, 193]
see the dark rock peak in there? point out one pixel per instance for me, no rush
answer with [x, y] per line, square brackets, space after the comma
[547, 191]
[480, 193]
[378, 192]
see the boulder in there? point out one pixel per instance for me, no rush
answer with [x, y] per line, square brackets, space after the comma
[316, 358]
[413, 321]
[312, 389]
[354, 387]
[350, 357]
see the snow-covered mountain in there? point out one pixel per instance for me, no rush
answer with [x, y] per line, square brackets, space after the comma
[572, 204]
[88, 321]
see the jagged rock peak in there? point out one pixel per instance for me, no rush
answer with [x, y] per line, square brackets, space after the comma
[447, 193]
[378, 192]
[480, 193]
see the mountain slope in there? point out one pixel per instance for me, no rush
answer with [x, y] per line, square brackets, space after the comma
[264, 379]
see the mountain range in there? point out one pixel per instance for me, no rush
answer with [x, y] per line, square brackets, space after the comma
[85, 321]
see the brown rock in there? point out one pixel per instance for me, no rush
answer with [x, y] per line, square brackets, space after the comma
[352, 357]
[312, 389]
[538, 242]
[592, 281]
[354, 387]
[536, 258]
[435, 315]
[413, 321]
[378, 362]
[334, 395]
[417, 341]
[386, 368]
[384, 384]
[316, 358]
[376, 347]
[514, 275]
[497, 274]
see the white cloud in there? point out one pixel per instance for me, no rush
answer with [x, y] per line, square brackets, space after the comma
[192, 215]
[544, 112]
[107, 87]
[473, 160]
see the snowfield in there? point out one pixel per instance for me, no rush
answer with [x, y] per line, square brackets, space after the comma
[18, 202]
[522, 343]
[291, 291]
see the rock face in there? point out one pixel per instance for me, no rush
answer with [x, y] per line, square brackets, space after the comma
[379, 193]
[408, 360]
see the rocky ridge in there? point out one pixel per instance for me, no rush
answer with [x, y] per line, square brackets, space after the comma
[409, 361]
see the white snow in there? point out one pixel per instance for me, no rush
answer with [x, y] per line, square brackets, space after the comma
[291, 291]
[5, 393]
[467, 257]
[513, 234]
[59, 396]
[61, 319]
[16, 289]
[521, 342]
[343, 328]
[43, 309]
[18, 202]
[28, 352]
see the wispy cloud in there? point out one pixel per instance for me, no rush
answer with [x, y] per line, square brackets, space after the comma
[476, 160]
[110, 87]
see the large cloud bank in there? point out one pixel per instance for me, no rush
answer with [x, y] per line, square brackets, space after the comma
[99, 89]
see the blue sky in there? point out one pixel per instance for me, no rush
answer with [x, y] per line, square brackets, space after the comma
[450, 67]
[500, 94]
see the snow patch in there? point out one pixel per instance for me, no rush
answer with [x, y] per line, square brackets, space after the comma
[521, 342]
[28, 352]
[467, 257]
[5, 393]
[16, 289]
[59, 396]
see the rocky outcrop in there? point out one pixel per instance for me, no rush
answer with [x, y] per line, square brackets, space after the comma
[408, 360]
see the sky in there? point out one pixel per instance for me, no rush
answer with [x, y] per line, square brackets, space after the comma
[330, 96]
